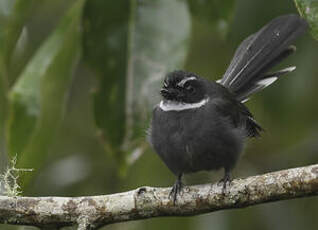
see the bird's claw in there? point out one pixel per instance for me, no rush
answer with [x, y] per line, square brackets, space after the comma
[226, 181]
[176, 189]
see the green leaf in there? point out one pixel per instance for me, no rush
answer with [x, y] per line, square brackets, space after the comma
[218, 13]
[105, 50]
[12, 29]
[131, 56]
[309, 10]
[12, 19]
[38, 97]
[158, 41]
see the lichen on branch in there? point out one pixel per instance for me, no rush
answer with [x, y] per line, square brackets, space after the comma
[9, 179]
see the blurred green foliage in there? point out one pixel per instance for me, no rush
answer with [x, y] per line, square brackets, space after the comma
[37, 98]
[79, 78]
[130, 49]
[309, 10]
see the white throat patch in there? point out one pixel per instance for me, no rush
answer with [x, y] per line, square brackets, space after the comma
[179, 106]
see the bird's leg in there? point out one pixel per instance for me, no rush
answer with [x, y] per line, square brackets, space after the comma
[177, 187]
[226, 179]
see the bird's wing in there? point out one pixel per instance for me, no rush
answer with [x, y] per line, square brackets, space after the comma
[238, 114]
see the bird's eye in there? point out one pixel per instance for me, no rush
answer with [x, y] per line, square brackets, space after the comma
[189, 88]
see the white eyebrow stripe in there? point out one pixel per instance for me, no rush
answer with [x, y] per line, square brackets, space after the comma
[182, 82]
[179, 106]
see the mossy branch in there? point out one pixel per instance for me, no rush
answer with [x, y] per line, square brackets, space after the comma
[92, 212]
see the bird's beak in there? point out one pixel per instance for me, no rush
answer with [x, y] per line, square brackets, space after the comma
[166, 93]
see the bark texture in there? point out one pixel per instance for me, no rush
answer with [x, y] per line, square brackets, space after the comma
[92, 212]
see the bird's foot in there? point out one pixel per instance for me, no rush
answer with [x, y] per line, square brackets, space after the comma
[226, 180]
[176, 189]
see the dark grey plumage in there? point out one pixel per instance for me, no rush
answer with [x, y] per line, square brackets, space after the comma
[202, 125]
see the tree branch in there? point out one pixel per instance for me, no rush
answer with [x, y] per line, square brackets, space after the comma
[92, 212]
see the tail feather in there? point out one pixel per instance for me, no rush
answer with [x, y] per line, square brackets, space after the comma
[253, 129]
[284, 54]
[261, 83]
[247, 73]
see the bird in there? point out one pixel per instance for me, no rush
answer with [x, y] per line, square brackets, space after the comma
[202, 125]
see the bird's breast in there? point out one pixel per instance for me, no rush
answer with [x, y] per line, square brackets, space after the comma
[172, 135]
[194, 140]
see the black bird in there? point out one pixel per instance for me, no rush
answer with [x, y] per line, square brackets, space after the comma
[201, 124]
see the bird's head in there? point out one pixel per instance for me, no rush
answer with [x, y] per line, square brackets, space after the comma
[185, 87]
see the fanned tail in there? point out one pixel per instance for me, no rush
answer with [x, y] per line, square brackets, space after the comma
[248, 71]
